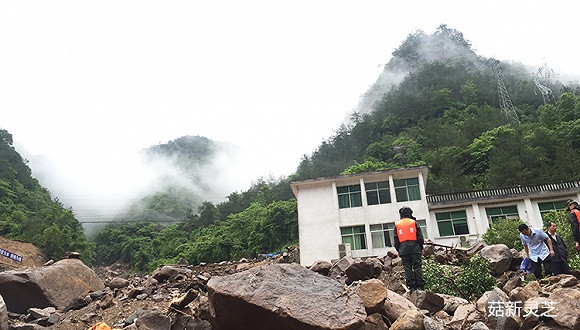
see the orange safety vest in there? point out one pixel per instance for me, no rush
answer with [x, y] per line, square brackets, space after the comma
[406, 230]
[577, 213]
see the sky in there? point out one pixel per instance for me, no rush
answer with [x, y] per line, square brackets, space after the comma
[84, 85]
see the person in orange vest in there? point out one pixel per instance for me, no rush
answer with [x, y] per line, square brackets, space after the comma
[572, 207]
[409, 244]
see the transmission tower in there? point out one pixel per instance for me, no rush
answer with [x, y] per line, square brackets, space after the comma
[540, 79]
[505, 102]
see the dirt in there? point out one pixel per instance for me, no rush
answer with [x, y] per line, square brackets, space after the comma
[31, 255]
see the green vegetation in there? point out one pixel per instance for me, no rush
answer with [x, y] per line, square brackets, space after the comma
[444, 113]
[504, 231]
[29, 214]
[260, 228]
[468, 281]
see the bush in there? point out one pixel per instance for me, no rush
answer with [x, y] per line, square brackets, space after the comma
[504, 231]
[471, 280]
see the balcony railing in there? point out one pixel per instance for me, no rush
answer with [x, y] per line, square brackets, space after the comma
[504, 192]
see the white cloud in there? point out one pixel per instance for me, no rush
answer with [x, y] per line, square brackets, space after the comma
[86, 82]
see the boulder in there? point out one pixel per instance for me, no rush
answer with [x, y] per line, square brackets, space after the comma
[465, 314]
[494, 306]
[59, 285]
[152, 321]
[512, 283]
[427, 300]
[516, 260]
[167, 272]
[566, 303]
[475, 248]
[3, 315]
[321, 267]
[450, 303]
[395, 305]
[283, 296]
[410, 320]
[372, 292]
[500, 257]
[187, 322]
[433, 324]
[375, 322]
[479, 326]
[118, 283]
[360, 270]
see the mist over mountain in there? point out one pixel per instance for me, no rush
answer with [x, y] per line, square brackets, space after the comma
[188, 171]
[438, 103]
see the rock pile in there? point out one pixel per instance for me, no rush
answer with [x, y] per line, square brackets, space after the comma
[272, 293]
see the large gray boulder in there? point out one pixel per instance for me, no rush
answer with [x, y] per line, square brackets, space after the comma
[500, 257]
[283, 296]
[566, 303]
[396, 305]
[59, 285]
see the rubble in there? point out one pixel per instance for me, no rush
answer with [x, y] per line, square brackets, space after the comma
[273, 292]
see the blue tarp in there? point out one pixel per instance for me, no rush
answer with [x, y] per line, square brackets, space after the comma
[526, 265]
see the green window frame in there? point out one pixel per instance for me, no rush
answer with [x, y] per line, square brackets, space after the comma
[546, 207]
[494, 214]
[378, 193]
[452, 223]
[349, 196]
[407, 189]
[382, 235]
[355, 236]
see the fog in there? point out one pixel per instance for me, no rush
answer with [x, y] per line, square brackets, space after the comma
[86, 86]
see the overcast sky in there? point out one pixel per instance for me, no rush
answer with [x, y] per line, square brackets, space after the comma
[85, 84]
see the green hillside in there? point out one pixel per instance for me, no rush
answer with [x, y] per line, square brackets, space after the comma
[29, 214]
[446, 114]
[437, 103]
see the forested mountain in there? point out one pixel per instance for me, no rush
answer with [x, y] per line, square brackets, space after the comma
[187, 167]
[29, 214]
[445, 113]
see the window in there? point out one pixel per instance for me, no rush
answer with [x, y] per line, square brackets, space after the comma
[407, 190]
[349, 196]
[355, 236]
[378, 193]
[504, 212]
[382, 235]
[551, 206]
[423, 226]
[452, 223]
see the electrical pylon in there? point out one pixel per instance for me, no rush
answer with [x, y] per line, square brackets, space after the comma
[505, 102]
[542, 76]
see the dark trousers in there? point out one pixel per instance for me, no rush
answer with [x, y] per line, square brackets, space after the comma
[537, 266]
[413, 271]
[557, 267]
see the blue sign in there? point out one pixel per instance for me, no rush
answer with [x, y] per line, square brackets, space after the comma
[10, 255]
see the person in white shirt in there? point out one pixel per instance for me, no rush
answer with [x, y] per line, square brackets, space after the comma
[534, 241]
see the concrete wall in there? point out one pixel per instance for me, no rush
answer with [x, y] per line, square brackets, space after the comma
[320, 217]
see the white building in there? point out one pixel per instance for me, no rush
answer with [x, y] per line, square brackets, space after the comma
[358, 212]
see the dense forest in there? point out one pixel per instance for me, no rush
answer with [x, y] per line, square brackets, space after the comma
[436, 104]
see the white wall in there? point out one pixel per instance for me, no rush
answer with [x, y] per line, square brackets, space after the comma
[320, 218]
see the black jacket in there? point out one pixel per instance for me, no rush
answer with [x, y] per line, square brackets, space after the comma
[574, 226]
[410, 247]
[560, 249]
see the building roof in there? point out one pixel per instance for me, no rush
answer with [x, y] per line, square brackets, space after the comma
[537, 191]
[423, 169]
